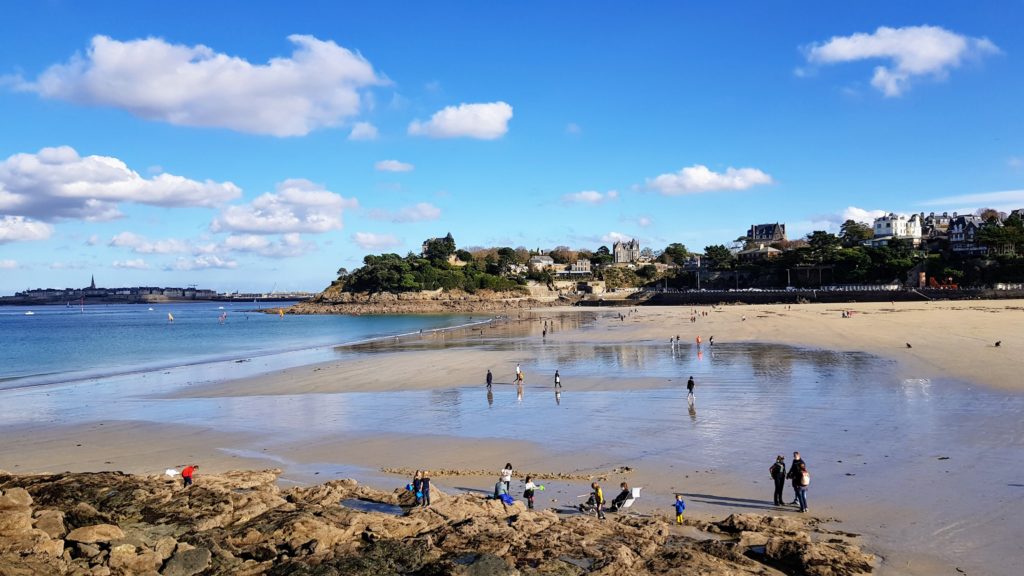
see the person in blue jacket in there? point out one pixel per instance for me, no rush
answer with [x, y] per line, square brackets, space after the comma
[680, 506]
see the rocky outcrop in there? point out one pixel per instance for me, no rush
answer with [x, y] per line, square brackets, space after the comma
[243, 523]
[332, 301]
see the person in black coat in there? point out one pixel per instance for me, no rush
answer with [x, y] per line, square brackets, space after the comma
[795, 476]
[778, 472]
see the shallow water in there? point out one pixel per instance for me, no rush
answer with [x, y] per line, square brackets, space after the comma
[945, 454]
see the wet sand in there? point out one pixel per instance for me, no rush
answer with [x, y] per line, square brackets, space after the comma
[896, 440]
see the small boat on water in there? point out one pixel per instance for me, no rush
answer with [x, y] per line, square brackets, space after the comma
[150, 309]
[170, 317]
[220, 307]
[30, 313]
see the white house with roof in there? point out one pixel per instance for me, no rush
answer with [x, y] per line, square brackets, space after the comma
[894, 226]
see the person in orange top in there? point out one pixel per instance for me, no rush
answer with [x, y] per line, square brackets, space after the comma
[187, 473]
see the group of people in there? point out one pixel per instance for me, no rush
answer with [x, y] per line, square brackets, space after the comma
[520, 378]
[420, 487]
[797, 474]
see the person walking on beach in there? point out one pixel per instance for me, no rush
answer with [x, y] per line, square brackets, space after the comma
[187, 473]
[805, 481]
[558, 380]
[425, 488]
[490, 378]
[680, 506]
[711, 341]
[778, 473]
[518, 371]
[506, 476]
[794, 477]
[689, 390]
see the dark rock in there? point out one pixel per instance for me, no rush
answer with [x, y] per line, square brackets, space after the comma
[187, 562]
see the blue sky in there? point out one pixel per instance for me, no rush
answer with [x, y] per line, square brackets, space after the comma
[246, 146]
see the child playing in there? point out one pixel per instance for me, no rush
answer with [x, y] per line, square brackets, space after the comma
[425, 488]
[680, 506]
[529, 492]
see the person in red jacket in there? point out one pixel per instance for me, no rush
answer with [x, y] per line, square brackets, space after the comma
[187, 473]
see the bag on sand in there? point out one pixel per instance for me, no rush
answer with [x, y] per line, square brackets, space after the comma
[805, 479]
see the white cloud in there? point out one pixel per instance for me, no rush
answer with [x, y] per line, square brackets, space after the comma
[590, 197]
[393, 166]
[912, 51]
[1005, 200]
[67, 266]
[297, 206]
[288, 246]
[363, 131]
[20, 229]
[136, 264]
[58, 183]
[8, 264]
[319, 85]
[371, 241]
[417, 213]
[699, 178]
[486, 121]
[142, 245]
[859, 215]
[644, 221]
[201, 263]
[613, 237]
[92, 240]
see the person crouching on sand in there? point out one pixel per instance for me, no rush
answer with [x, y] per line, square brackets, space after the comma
[187, 474]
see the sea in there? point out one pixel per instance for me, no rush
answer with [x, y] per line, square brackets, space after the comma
[57, 344]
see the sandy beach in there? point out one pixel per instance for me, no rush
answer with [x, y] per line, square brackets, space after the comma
[892, 433]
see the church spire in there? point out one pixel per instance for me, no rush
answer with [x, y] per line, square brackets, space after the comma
[92, 285]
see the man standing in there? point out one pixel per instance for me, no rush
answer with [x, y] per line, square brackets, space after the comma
[187, 473]
[490, 378]
[689, 389]
[558, 380]
[778, 472]
[795, 476]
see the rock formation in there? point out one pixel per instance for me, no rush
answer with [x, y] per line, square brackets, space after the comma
[332, 301]
[242, 523]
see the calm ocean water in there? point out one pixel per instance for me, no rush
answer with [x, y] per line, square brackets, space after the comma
[57, 343]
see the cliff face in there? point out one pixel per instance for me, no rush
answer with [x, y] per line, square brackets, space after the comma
[242, 523]
[334, 301]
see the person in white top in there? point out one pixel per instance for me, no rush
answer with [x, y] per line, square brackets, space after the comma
[506, 476]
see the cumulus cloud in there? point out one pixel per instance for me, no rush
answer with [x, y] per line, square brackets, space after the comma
[319, 85]
[393, 166]
[363, 131]
[287, 246]
[699, 178]
[590, 197]
[142, 245]
[486, 121]
[420, 212]
[859, 215]
[136, 264]
[613, 237]
[298, 206]
[912, 51]
[8, 264]
[202, 262]
[20, 229]
[371, 241]
[58, 183]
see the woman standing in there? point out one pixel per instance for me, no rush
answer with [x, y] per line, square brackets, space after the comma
[805, 481]
[417, 485]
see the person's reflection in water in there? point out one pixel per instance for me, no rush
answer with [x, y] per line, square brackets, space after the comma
[558, 397]
[700, 354]
[490, 398]
[693, 412]
[519, 392]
